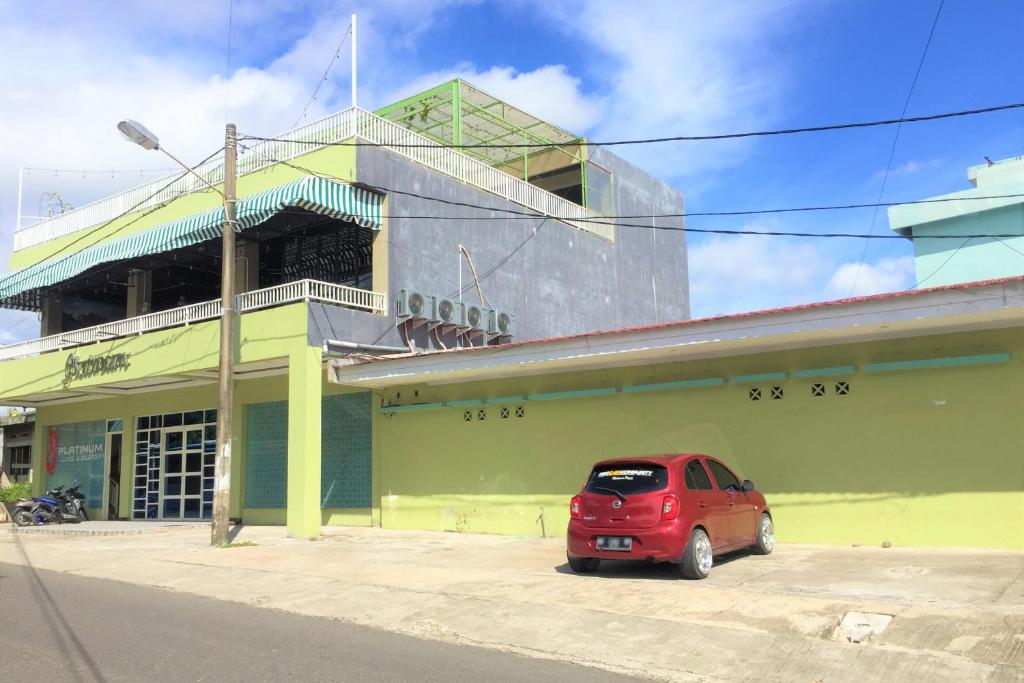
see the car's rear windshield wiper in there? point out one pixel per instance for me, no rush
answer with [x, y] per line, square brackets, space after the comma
[601, 489]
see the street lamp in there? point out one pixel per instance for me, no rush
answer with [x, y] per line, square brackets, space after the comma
[134, 131]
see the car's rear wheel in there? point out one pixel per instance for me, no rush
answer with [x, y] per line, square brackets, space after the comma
[697, 557]
[765, 535]
[583, 565]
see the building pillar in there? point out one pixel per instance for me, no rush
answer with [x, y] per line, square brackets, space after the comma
[247, 266]
[140, 294]
[305, 377]
[53, 316]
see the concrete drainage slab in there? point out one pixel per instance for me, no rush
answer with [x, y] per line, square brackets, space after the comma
[860, 627]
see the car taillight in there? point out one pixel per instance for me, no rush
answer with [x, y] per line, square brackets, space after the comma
[669, 507]
[576, 507]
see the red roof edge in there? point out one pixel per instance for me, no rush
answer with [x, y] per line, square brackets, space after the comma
[907, 293]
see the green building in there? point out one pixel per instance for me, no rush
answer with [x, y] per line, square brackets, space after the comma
[995, 204]
[376, 383]
[346, 224]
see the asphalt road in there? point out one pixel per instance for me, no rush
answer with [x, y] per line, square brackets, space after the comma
[58, 627]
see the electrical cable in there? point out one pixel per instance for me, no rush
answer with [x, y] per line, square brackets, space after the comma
[476, 278]
[602, 221]
[96, 171]
[895, 140]
[323, 78]
[943, 264]
[674, 138]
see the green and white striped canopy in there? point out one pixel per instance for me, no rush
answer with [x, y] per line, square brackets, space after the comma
[337, 200]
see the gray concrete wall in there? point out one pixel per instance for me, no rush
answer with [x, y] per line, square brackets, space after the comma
[554, 278]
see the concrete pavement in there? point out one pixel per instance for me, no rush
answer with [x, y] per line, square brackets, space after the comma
[958, 614]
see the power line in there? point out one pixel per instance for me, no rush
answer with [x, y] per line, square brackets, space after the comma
[943, 264]
[645, 141]
[96, 171]
[534, 214]
[323, 78]
[895, 140]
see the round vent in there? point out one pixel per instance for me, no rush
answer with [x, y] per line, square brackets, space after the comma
[504, 323]
[446, 311]
[417, 303]
[474, 316]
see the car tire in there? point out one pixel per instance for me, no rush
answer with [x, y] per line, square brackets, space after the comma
[765, 542]
[583, 565]
[697, 558]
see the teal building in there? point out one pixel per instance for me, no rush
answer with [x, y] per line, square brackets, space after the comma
[995, 204]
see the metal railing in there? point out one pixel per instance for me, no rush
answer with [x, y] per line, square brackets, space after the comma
[342, 125]
[301, 290]
[313, 290]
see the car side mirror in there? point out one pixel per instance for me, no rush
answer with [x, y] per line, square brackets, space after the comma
[748, 485]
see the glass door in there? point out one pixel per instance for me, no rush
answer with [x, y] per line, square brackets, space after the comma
[182, 495]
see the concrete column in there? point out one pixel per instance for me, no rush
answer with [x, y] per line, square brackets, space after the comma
[247, 266]
[53, 316]
[304, 396]
[379, 256]
[140, 294]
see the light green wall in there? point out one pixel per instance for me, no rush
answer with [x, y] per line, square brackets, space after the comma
[914, 457]
[943, 261]
[337, 161]
[264, 334]
[993, 205]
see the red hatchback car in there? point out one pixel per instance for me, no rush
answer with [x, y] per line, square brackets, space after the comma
[683, 509]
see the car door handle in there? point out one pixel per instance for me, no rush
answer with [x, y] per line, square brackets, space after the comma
[702, 504]
[731, 503]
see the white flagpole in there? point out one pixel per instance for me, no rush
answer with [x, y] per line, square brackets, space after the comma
[353, 60]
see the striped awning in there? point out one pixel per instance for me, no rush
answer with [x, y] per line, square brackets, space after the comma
[319, 195]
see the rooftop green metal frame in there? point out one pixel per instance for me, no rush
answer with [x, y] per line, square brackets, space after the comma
[458, 113]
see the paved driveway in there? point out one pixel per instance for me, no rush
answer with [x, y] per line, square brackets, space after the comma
[956, 614]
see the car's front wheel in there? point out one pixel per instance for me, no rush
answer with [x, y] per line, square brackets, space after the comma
[765, 535]
[583, 565]
[697, 557]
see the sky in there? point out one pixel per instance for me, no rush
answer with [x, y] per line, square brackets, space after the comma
[605, 70]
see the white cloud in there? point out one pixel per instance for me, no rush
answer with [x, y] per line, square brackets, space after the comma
[886, 275]
[673, 67]
[910, 168]
[748, 272]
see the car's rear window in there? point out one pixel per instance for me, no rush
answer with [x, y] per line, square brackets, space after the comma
[628, 478]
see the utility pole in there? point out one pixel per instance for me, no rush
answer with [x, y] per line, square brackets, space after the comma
[222, 474]
[135, 132]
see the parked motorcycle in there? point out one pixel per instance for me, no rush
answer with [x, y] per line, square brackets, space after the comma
[58, 506]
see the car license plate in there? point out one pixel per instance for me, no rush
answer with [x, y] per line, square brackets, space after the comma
[624, 543]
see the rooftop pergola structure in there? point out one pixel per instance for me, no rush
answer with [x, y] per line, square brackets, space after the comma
[458, 113]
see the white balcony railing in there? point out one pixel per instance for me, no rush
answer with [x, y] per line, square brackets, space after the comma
[342, 125]
[301, 290]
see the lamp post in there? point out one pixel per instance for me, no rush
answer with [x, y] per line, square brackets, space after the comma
[140, 135]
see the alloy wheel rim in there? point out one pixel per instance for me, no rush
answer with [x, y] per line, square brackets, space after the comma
[703, 554]
[767, 533]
